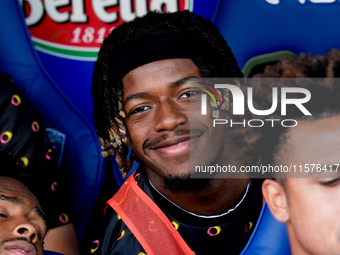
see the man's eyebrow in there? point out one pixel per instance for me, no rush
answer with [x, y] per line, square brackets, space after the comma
[182, 81]
[12, 200]
[134, 96]
[40, 213]
[172, 84]
[16, 201]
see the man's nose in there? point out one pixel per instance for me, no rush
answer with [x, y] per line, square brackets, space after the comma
[27, 230]
[168, 116]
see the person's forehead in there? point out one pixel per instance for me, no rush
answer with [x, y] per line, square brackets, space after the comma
[161, 72]
[10, 187]
[312, 141]
[314, 131]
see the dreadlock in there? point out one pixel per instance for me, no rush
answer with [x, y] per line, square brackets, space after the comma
[107, 95]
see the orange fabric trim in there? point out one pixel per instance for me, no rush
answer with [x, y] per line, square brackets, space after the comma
[147, 222]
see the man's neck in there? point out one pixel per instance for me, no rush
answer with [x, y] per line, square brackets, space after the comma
[216, 198]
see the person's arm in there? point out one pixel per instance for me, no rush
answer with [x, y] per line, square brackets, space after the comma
[62, 240]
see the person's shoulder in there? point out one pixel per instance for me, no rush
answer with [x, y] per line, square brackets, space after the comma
[52, 253]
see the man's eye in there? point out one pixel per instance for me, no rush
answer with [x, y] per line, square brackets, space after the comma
[189, 94]
[3, 215]
[140, 109]
[331, 182]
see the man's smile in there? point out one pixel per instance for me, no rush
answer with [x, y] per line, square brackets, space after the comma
[174, 147]
[177, 145]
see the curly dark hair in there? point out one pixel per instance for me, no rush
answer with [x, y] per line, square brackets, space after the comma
[312, 72]
[107, 94]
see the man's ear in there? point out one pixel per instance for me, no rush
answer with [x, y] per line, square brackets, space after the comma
[276, 199]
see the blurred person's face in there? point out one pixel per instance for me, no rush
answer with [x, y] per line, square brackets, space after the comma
[309, 206]
[22, 222]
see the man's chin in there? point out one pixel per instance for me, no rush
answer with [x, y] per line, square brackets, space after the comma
[185, 184]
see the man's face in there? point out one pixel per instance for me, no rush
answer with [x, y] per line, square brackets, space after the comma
[22, 224]
[157, 105]
[313, 204]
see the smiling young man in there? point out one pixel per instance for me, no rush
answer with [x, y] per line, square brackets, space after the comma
[309, 206]
[142, 101]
